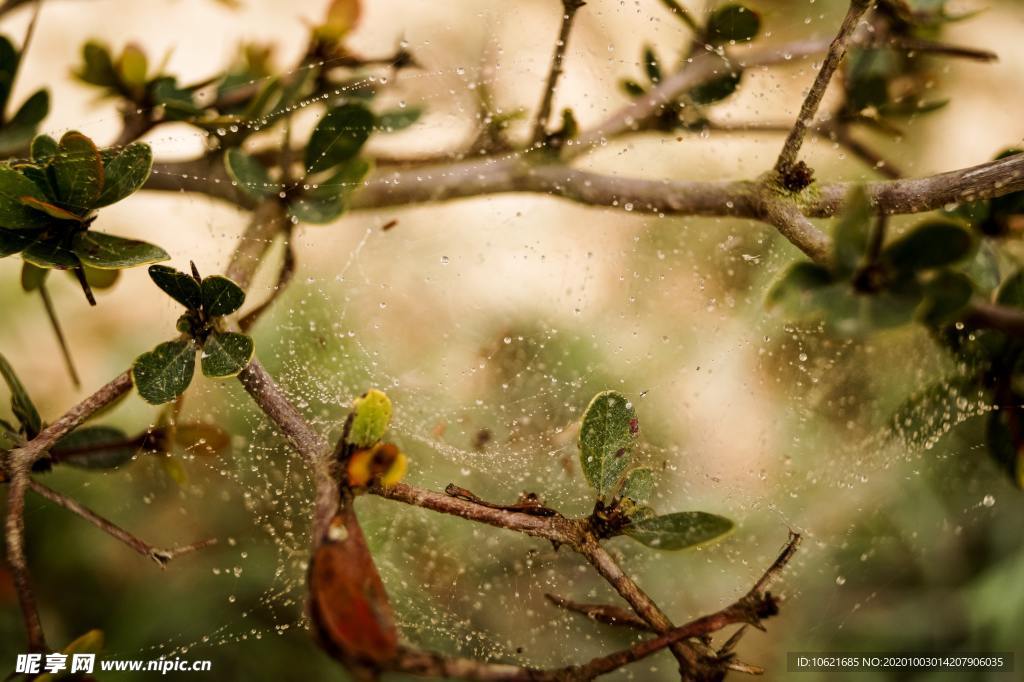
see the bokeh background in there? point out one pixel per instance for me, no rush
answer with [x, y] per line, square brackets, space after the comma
[505, 314]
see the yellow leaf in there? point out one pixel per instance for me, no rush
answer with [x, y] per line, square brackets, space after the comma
[342, 16]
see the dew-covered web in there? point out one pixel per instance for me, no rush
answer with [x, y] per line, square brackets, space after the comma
[490, 323]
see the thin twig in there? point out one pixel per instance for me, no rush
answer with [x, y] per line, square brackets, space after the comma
[159, 555]
[51, 313]
[836, 51]
[602, 613]
[15, 540]
[284, 278]
[569, 9]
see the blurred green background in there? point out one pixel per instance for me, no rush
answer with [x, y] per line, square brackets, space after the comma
[506, 314]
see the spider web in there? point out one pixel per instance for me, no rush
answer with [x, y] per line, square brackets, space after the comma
[491, 323]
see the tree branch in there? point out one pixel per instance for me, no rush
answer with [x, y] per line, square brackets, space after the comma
[157, 554]
[836, 51]
[569, 9]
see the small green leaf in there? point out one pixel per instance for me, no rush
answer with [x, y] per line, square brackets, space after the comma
[933, 244]
[316, 210]
[945, 295]
[16, 241]
[14, 214]
[607, 434]
[795, 286]
[32, 277]
[97, 277]
[371, 416]
[1004, 448]
[719, 88]
[225, 354]
[97, 67]
[733, 23]
[44, 148]
[393, 120]
[78, 173]
[125, 171]
[22, 406]
[107, 252]
[1011, 290]
[852, 232]
[181, 287]
[164, 373]
[638, 486]
[338, 137]
[651, 65]
[679, 530]
[51, 253]
[19, 130]
[133, 66]
[221, 296]
[49, 209]
[248, 173]
[632, 88]
[95, 447]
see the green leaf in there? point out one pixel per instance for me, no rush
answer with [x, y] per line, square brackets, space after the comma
[638, 486]
[14, 214]
[97, 66]
[1004, 448]
[98, 278]
[679, 530]
[181, 287]
[51, 253]
[16, 241]
[852, 232]
[651, 65]
[43, 148]
[632, 88]
[24, 410]
[125, 171]
[32, 277]
[338, 137]
[607, 434]
[177, 102]
[133, 66]
[371, 416]
[78, 172]
[932, 244]
[317, 211]
[9, 60]
[248, 173]
[945, 295]
[107, 252]
[226, 354]
[95, 447]
[1011, 291]
[329, 199]
[49, 209]
[733, 23]
[221, 296]
[867, 77]
[164, 373]
[794, 288]
[393, 120]
[719, 88]
[19, 130]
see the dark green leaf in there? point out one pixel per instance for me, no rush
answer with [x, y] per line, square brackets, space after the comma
[9, 60]
[125, 170]
[181, 287]
[317, 211]
[945, 295]
[24, 410]
[638, 486]
[933, 244]
[607, 434]
[98, 67]
[793, 288]
[49, 209]
[371, 416]
[632, 88]
[221, 296]
[164, 373]
[338, 137]
[398, 119]
[18, 132]
[16, 241]
[651, 65]
[733, 23]
[78, 172]
[248, 173]
[43, 148]
[14, 214]
[852, 232]
[177, 102]
[719, 88]
[51, 252]
[1011, 291]
[95, 447]
[867, 77]
[226, 354]
[1003, 445]
[32, 277]
[107, 252]
[679, 530]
